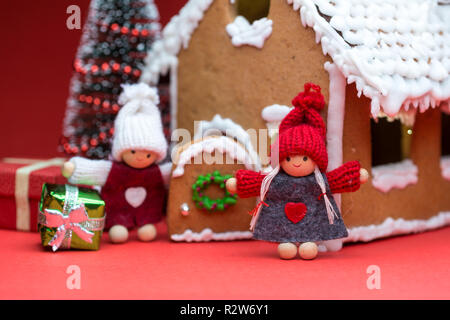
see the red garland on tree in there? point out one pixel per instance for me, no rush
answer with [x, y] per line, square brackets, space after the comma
[115, 41]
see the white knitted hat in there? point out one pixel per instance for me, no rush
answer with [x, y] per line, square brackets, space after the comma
[138, 124]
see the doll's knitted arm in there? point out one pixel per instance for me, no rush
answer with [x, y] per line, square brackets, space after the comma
[90, 172]
[346, 178]
[248, 183]
[166, 171]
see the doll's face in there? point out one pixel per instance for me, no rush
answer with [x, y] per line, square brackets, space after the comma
[298, 165]
[138, 159]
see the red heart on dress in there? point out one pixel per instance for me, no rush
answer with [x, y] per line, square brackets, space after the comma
[295, 211]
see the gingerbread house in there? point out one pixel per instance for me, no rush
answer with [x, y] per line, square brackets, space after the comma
[384, 70]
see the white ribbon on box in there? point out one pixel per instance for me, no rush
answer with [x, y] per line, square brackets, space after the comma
[22, 187]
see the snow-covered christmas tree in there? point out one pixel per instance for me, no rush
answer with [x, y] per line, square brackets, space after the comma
[115, 41]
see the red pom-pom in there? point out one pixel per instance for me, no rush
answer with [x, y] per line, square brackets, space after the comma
[310, 98]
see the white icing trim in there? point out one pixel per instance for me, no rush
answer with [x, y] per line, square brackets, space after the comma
[407, 118]
[445, 167]
[390, 84]
[392, 227]
[208, 235]
[275, 113]
[330, 245]
[173, 90]
[335, 120]
[231, 129]
[221, 144]
[163, 56]
[394, 175]
[242, 32]
[176, 35]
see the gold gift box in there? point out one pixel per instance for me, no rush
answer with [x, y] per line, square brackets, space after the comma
[70, 217]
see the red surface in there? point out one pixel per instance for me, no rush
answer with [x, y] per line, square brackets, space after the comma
[412, 267]
[36, 57]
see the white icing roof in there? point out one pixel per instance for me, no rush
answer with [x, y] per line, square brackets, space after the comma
[396, 51]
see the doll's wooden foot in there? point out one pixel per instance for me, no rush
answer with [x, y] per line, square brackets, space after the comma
[147, 233]
[287, 250]
[118, 234]
[308, 250]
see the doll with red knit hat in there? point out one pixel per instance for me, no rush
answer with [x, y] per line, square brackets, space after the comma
[296, 203]
[133, 184]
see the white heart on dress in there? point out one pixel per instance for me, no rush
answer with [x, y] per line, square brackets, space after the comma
[135, 196]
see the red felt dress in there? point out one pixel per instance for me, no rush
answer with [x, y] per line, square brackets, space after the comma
[119, 210]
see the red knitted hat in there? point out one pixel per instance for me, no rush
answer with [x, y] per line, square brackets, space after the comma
[303, 130]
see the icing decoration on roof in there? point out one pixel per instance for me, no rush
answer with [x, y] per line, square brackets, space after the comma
[244, 33]
[397, 52]
[407, 118]
[221, 144]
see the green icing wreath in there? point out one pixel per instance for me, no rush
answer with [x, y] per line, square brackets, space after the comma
[204, 202]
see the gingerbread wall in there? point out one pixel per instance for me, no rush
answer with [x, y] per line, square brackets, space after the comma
[235, 218]
[419, 201]
[214, 77]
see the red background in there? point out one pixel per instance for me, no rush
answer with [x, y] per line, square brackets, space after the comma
[36, 56]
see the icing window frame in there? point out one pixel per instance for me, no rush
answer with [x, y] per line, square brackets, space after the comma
[392, 168]
[445, 142]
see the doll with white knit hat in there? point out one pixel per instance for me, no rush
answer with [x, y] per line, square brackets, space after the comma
[133, 184]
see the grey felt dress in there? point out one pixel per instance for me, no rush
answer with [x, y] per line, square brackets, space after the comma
[273, 223]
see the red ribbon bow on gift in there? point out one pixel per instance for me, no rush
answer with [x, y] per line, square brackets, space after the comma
[67, 224]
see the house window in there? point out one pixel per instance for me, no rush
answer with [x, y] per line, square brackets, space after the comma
[445, 145]
[386, 141]
[251, 9]
[391, 147]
